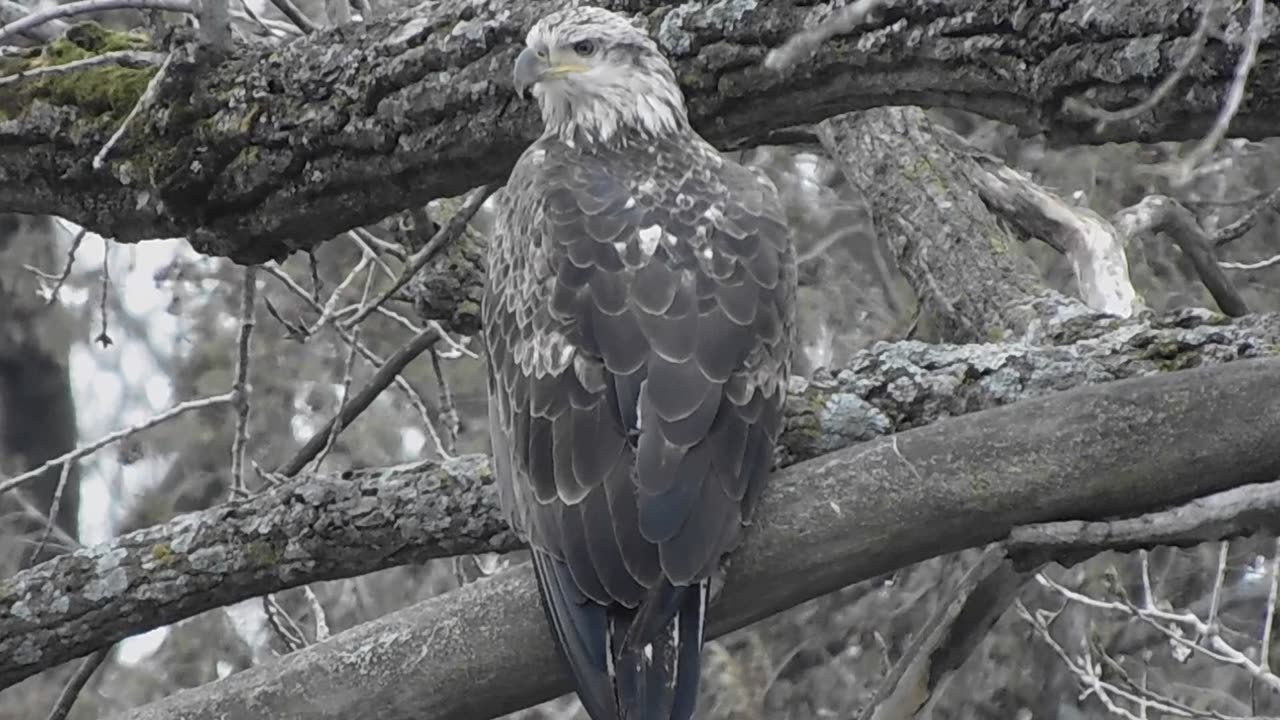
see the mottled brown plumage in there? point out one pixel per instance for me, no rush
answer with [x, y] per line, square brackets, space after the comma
[638, 321]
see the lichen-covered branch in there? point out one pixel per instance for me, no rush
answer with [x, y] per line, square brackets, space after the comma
[956, 254]
[276, 149]
[483, 650]
[333, 527]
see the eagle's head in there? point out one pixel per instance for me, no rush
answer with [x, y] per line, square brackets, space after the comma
[596, 75]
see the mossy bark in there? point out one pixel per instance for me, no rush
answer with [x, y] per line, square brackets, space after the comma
[274, 150]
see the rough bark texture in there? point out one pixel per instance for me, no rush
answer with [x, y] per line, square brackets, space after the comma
[277, 149]
[958, 256]
[483, 650]
[333, 527]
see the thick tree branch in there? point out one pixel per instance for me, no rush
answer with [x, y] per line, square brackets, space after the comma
[483, 650]
[955, 253]
[327, 527]
[276, 150]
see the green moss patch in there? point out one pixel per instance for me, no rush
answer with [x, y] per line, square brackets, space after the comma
[102, 90]
[105, 90]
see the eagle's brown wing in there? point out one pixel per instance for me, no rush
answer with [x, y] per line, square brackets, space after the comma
[638, 324]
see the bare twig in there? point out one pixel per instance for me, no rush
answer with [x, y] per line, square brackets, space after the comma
[64, 540]
[803, 44]
[1164, 214]
[317, 610]
[103, 338]
[1215, 598]
[11, 11]
[105, 440]
[373, 358]
[1163, 89]
[380, 380]
[1264, 649]
[909, 685]
[1246, 221]
[67, 699]
[296, 16]
[148, 96]
[445, 235]
[240, 390]
[368, 249]
[1234, 512]
[331, 305]
[54, 507]
[1163, 620]
[287, 630]
[448, 411]
[347, 366]
[1248, 56]
[82, 7]
[1273, 260]
[124, 58]
[393, 249]
[61, 278]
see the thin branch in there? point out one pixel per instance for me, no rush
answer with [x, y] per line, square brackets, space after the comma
[283, 624]
[334, 427]
[448, 412]
[1095, 248]
[1162, 619]
[296, 16]
[1197, 41]
[1235, 95]
[1162, 213]
[82, 7]
[445, 235]
[1238, 228]
[380, 380]
[240, 389]
[803, 44]
[1234, 512]
[135, 59]
[55, 506]
[103, 338]
[11, 11]
[907, 687]
[105, 440]
[1264, 649]
[1215, 597]
[61, 278]
[67, 699]
[1273, 260]
[318, 614]
[148, 97]
[410, 392]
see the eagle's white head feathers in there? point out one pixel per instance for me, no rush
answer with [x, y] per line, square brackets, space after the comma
[596, 75]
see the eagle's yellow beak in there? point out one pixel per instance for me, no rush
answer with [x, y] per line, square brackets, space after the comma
[532, 68]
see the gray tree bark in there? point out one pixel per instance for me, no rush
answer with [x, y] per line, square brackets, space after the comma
[483, 650]
[274, 150]
[325, 528]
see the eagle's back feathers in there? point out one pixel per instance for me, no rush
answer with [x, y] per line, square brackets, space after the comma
[638, 321]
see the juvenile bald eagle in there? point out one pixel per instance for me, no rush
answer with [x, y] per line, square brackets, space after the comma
[638, 320]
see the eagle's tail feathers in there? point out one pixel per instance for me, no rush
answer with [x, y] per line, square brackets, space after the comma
[623, 672]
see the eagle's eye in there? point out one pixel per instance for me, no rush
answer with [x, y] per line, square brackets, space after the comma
[584, 48]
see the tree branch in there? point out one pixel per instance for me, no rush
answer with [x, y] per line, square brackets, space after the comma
[330, 527]
[270, 152]
[483, 650]
[953, 250]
